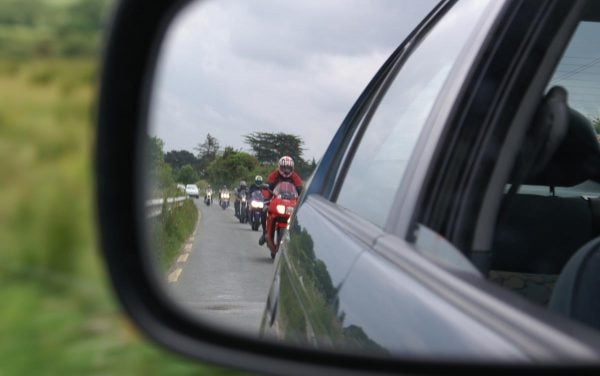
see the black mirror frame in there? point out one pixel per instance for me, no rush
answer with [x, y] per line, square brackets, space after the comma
[136, 30]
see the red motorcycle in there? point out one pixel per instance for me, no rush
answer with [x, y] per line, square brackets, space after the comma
[280, 209]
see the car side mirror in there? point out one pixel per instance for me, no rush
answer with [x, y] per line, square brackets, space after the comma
[138, 31]
[140, 120]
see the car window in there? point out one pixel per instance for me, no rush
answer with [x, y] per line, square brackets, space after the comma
[556, 213]
[379, 163]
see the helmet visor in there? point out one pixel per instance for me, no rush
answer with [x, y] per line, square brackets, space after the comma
[287, 169]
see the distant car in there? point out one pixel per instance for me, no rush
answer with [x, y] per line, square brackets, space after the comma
[192, 190]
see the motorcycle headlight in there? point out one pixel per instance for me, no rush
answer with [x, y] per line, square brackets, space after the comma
[226, 195]
[281, 209]
[257, 204]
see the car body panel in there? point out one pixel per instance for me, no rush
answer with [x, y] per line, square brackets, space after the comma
[313, 242]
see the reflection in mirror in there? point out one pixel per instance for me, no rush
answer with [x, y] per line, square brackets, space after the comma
[237, 86]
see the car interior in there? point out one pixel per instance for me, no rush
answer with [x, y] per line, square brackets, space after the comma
[546, 245]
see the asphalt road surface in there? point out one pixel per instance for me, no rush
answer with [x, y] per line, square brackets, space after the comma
[222, 275]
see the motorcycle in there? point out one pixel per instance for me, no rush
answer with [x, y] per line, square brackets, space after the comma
[208, 197]
[243, 208]
[280, 208]
[224, 200]
[255, 209]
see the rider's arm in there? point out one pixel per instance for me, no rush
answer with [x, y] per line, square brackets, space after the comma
[297, 182]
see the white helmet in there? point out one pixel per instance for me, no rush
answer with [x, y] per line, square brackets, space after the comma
[286, 166]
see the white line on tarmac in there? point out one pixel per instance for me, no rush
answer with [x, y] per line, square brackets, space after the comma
[187, 248]
[174, 276]
[183, 257]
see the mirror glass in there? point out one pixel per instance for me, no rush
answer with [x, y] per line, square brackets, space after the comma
[237, 86]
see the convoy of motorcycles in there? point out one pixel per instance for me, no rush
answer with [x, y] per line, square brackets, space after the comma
[273, 207]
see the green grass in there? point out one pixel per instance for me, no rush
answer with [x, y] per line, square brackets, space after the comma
[58, 313]
[171, 229]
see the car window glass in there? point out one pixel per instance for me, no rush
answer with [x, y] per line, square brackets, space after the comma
[579, 73]
[544, 225]
[381, 158]
[435, 247]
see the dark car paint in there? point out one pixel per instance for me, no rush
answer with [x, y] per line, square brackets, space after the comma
[314, 242]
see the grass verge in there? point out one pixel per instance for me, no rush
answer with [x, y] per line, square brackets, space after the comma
[170, 231]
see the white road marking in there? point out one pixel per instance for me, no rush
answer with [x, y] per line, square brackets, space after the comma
[183, 257]
[174, 276]
[187, 248]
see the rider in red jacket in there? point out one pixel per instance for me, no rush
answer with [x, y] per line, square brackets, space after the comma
[284, 172]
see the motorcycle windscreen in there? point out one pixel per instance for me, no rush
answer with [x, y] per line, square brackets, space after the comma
[286, 191]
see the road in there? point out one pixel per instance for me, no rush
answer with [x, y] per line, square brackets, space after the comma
[223, 275]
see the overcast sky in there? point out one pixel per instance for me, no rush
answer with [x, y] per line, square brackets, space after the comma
[231, 67]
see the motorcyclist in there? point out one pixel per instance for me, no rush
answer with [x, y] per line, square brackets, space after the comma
[258, 186]
[284, 172]
[238, 193]
[207, 192]
[223, 191]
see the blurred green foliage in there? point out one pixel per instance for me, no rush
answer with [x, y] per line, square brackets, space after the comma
[58, 314]
[51, 28]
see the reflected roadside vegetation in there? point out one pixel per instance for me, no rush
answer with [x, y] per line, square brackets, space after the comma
[317, 290]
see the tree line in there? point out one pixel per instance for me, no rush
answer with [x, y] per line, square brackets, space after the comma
[211, 164]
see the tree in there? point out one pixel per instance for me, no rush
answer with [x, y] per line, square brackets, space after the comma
[230, 168]
[208, 149]
[305, 169]
[160, 173]
[269, 147]
[207, 153]
[187, 175]
[179, 158]
[155, 151]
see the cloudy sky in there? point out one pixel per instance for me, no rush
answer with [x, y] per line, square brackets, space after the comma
[231, 67]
